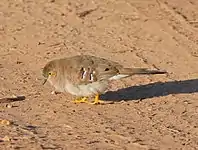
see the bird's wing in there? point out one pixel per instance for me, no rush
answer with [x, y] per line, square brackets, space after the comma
[85, 69]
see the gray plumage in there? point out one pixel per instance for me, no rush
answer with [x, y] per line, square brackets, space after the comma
[85, 75]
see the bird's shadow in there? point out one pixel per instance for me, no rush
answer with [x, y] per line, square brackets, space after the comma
[156, 89]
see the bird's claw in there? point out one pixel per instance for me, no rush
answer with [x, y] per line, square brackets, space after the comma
[81, 100]
[96, 102]
[84, 100]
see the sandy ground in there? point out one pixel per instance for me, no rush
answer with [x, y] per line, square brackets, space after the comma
[149, 113]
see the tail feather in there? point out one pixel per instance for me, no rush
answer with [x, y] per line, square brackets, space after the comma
[139, 71]
[126, 72]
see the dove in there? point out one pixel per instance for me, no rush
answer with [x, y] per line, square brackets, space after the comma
[87, 76]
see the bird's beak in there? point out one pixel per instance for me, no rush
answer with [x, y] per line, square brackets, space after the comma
[45, 80]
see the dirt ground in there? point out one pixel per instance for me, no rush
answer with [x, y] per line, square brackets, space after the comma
[148, 113]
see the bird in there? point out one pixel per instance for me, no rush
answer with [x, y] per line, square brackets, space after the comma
[87, 76]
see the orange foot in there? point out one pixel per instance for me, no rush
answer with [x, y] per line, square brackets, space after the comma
[81, 100]
[97, 101]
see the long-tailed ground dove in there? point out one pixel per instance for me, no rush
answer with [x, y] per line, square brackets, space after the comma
[85, 75]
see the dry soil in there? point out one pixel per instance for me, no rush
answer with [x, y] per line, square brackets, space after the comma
[158, 112]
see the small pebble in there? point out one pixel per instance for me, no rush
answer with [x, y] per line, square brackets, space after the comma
[6, 139]
[9, 106]
[4, 122]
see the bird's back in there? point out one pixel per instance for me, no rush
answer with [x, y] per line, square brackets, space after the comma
[87, 69]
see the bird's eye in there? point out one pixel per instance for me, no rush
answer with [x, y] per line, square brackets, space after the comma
[49, 73]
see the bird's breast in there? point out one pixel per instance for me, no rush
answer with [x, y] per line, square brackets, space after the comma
[87, 89]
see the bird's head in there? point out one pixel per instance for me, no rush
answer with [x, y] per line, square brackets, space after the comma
[49, 71]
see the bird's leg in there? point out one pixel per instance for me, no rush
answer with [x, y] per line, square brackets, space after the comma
[97, 101]
[81, 100]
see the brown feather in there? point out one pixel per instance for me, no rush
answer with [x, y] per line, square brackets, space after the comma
[87, 69]
[139, 71]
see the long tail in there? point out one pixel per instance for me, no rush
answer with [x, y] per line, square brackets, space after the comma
[139, 71]
[126, 72]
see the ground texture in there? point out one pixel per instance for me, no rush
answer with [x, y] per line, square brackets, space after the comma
[148, 113]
